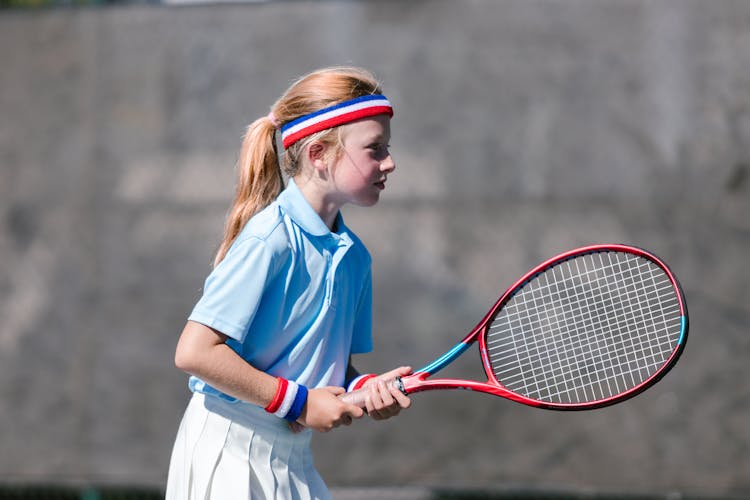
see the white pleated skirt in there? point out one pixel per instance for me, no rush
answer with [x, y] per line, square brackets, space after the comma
[228, 451]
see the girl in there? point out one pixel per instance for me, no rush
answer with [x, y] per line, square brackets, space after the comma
[268, 346]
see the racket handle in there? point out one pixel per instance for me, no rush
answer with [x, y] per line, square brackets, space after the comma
[357, 398]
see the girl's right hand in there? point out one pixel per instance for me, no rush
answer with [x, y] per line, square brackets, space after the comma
[325, 411]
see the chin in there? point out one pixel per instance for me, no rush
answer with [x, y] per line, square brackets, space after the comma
[367, 201]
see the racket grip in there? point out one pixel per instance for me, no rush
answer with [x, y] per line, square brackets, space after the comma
[358, 397]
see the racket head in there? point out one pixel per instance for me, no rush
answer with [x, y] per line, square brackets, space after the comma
[586, 329]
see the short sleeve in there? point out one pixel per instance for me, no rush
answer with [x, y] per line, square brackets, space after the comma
[362, 335]
[233, 291]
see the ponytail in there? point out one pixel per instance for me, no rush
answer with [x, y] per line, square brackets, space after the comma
[260, 180]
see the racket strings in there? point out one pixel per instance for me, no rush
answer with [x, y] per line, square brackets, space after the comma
[609, 323]
[623, 316]
[577, 308]
[598, 378]
[586, 329]
[538, 348]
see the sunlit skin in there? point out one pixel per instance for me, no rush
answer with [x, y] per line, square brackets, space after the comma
[365, 162]
[356, 174]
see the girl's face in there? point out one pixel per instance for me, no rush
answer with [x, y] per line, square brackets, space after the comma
[362, 166]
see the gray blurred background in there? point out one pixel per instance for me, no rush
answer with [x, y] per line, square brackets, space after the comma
[522, 128]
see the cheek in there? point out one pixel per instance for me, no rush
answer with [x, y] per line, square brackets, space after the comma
[359, 169]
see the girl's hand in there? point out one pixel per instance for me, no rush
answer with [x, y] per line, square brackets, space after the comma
[325, 411]
[383, 402]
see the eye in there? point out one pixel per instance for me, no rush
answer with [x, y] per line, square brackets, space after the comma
[379, 150]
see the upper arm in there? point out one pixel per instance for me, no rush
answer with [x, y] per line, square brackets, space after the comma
[233, 292]
[195, 340]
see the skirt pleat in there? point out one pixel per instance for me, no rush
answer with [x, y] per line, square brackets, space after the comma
[232, 466]
[282, 467]
[207, 454]
[228, 451]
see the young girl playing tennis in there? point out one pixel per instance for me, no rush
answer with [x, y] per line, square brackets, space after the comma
[268, 346]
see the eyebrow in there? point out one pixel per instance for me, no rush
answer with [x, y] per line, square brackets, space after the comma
[379, 137]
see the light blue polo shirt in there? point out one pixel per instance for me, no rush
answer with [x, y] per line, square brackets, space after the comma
[294, 298]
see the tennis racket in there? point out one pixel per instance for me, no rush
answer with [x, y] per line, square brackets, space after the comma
[586, 329]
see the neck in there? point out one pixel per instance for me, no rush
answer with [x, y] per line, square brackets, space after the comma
[319, 200]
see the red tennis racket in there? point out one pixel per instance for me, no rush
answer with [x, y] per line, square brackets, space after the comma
[586, 329]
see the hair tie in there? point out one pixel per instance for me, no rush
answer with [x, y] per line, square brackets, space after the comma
[272, 118]
[333, 116]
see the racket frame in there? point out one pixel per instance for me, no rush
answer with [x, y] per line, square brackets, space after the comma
[420, 381]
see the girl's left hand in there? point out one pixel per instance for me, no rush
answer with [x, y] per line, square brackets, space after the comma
[383, 402]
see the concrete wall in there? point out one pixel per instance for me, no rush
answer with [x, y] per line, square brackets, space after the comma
[522, 128]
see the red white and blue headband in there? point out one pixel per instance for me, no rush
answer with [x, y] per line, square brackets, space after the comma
[333, 116]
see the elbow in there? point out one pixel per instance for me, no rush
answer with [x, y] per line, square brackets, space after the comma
[185, 359]
[180, 360]
[195, 348]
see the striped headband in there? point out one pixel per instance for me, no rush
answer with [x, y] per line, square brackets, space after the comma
[333, 116]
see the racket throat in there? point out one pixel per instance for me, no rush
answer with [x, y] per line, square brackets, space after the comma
[443, 360]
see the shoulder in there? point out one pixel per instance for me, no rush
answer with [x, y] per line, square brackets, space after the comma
[265, 230]
[267, 226]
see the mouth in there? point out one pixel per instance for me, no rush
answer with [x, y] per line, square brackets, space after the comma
[380, 184]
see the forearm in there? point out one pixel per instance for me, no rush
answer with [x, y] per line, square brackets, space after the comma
[201, 351]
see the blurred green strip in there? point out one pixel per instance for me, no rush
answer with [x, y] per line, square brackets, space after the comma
[41, 4]
[8, 492]
[51, 492]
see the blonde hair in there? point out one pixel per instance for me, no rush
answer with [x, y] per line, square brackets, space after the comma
[260, 176]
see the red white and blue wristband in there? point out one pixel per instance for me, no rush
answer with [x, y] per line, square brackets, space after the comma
[359, 381]
[333, 116]
[289, 400]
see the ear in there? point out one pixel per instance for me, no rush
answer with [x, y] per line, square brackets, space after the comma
[317, 155]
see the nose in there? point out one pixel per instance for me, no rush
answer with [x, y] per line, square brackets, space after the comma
[388, 165]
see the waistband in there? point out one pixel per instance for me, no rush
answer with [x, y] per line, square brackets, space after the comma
[246, 414]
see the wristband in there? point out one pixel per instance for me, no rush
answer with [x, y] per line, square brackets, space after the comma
[359, 381]
[289, 400]
[278, 398]
[298, 404]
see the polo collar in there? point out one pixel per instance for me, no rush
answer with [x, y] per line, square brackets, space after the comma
[294, 203]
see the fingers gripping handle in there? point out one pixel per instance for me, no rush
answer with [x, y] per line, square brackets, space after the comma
[358, 397]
